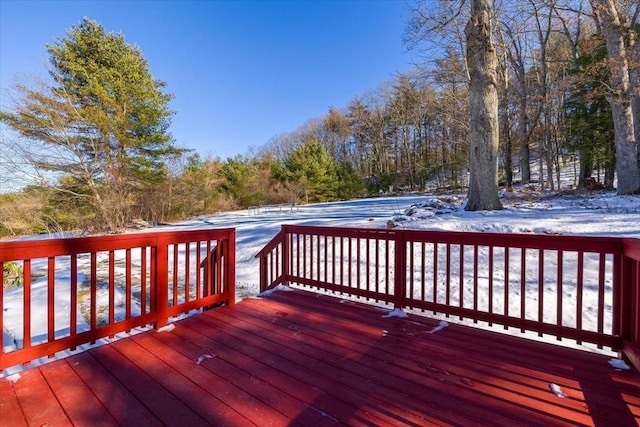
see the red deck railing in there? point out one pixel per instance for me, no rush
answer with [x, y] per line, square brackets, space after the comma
[527, 282]
[96, 287]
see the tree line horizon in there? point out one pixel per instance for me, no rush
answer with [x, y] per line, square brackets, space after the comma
[546, 86]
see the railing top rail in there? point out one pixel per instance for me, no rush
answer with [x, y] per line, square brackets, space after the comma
[41, 248]
[271, 244]
[597, 244]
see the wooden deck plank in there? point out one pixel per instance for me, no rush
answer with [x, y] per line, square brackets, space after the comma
[289, 380]
[39, 404]
[218, 396]
[401, 380]
[516, 357]
[244, 372]
[307, 370]
[297, 358]
[601, 377]
[10, 406]
[121, 403]
[76, 399]
[507, 379]
[340, 369]
[169, 409]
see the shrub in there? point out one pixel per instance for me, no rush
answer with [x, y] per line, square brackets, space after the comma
[11, 274]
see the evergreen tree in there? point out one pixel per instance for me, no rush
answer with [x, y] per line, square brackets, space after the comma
[590, 123]
[102, 120]
[349, 184]
[238, 176]
[310, 168]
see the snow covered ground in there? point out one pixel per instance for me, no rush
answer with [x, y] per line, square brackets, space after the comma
[598, 213]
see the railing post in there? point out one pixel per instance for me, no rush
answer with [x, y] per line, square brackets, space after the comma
[285, 255]
[622, 297]
[230, 267]
[630, 302]
[400, 270]
[160, 284]
[263, 273]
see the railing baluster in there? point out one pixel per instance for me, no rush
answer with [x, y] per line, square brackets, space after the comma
[601, 281]
[128, 286]
[540, 288]
[174, 264]
[579, 292]
[326, 260]
[187, 272]
[559, 290]
[435, 275]
[387, 270]
[411, 260]
[143, 280]
[73, 300]
[490, 284]
[26, 283]
[523, 284]
[94, 291]
[51, 298]
[475, 279]
[349, 262]
[423, 269]
[112, 288]
[367, 262]
[505, 309]
[198, 283]
[358, 258]
[448, 276]
[461, 277]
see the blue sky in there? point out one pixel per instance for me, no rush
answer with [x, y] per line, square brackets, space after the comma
[241, 72]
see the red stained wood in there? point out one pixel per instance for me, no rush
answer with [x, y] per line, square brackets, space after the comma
[37, 401]
[112, 394]
[154, 284]
[297, 358]
[10, 406]
[75, 397]
[613, 258]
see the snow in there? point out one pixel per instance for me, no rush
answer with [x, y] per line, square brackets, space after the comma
[396, 312]
[268, 292]
[440, 327]
[557, 390]
[598, 213]
[167, 328]
[204, 357]
[619, 364]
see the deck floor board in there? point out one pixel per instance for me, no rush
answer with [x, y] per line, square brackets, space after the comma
[513, 377]
[298, 358]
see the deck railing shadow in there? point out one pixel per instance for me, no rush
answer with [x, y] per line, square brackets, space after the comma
[581, 290]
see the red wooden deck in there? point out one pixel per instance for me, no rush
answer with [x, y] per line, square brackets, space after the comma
[297, 358]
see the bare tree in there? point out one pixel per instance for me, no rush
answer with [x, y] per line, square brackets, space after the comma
[482, 60]
[616, 32]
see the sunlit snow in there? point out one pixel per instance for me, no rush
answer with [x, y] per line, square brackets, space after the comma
[600, 213]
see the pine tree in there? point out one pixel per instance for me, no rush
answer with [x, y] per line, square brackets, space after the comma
[313, 171]
[102, 120]
[589, 119]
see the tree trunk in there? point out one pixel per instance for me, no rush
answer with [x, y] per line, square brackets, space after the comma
[634, 77]
[607, 13]
[483, 98]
